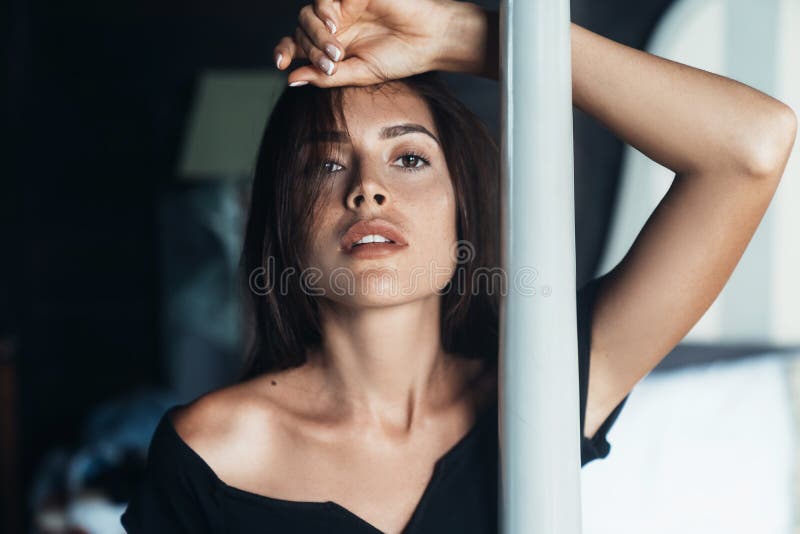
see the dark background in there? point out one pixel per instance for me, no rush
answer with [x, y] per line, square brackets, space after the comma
[95, 101]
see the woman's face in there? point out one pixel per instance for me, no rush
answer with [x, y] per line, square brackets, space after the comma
[392, 172]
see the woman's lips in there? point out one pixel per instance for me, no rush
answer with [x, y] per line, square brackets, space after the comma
[374, 250]
[377, 227]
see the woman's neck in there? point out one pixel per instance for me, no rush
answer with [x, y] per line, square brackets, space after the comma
[386, 364]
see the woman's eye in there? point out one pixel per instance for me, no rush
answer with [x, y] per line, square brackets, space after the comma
[416, 161]
[330, 166]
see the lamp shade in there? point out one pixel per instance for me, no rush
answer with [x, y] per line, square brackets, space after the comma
[225, 124]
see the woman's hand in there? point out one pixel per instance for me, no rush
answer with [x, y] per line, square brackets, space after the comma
[362, 42]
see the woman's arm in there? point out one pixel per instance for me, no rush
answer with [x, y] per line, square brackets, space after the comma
[686, 119]
[728, 145]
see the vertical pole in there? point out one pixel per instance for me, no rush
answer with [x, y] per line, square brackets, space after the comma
[539, 423]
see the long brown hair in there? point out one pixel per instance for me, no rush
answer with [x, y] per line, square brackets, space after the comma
[284, 321]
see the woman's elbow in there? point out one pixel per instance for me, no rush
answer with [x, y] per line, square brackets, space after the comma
[766, 155]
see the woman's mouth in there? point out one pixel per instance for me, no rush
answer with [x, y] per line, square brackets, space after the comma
[374, 250]
[373, 238]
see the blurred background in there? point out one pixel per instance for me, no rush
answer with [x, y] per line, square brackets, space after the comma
[131, 132]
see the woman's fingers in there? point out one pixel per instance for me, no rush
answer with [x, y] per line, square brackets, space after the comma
[328, 13]
[285, 52]
[352, 71]
[315, 39]
[318, 33]
[339, 15]
[312, 34]
[351, 10]
[314, 54]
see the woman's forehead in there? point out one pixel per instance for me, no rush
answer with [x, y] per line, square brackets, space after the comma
[372, 113]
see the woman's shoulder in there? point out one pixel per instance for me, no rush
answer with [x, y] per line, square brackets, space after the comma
[217, 414]
[241, 421]
[197, 449]
[242, 433]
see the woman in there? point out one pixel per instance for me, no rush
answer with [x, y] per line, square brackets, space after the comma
[369, 401]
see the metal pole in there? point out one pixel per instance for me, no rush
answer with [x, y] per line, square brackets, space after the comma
[539, 424]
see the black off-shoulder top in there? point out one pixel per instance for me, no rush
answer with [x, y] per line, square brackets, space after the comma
[181, 493]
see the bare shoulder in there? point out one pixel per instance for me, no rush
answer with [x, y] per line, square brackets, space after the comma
[246, 422]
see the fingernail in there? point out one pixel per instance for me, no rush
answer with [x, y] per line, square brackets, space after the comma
[331, 26]
[326, 65]
[332, 51]
[297, 83]
[278, 60]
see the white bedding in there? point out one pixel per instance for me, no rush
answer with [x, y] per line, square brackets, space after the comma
[700, 450]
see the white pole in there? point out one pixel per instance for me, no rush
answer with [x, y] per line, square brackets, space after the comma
[539, 424]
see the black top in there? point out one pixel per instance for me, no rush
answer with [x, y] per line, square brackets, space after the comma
[181, 494]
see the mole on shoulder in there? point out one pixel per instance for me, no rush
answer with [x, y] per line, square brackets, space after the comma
[274, 383]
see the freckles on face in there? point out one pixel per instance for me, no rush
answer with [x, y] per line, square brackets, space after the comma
[388, 169]
[433, 214]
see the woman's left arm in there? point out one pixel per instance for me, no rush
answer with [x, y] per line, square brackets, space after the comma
[691, 121]
[686, 119]
[728, 145]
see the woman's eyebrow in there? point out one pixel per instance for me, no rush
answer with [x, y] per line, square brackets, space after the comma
[387, 132]
[397, 130]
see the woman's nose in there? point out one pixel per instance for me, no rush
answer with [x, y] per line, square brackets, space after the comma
[359, 199]
[366, 193]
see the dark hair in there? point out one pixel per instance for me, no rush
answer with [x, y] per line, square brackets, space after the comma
[287, 184]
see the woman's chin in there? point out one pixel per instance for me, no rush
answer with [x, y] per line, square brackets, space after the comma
[378, 297]
[381, 286]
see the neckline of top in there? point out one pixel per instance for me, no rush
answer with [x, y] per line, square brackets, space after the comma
[483, 415]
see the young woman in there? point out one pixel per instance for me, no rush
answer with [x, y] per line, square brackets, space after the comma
[369, 400]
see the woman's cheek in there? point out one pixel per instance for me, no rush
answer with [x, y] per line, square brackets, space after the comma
[441, 217]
